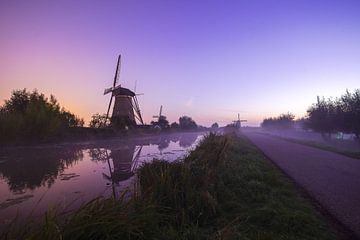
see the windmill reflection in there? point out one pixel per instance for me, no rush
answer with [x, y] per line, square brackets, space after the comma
[187, 140]
[121, 161]
[124, 162]
[163, 143]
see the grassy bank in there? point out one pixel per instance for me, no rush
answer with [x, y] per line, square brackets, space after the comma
[351, 154]
[224, 189]
[316, 144]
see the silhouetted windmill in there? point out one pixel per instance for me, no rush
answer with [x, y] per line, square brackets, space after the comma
[126, 107]
[159, 117]
[238, 122]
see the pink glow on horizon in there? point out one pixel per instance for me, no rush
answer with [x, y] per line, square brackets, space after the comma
[208, 61]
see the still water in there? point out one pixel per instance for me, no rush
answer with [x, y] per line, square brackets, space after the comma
[33, 179]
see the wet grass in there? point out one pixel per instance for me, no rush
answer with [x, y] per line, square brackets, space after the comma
[352, 154]
[224, 189]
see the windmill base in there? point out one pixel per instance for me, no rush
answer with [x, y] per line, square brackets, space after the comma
[122, 122]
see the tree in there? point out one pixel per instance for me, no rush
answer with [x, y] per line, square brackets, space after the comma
[215, 126]
[32, 115]
[99, 121]
[162, 122]
[349, 118]
[340, 115]
[282, 122]
[174, 125]
[186, 123]
[322, 116]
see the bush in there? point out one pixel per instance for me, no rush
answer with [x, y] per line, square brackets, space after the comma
[30, 115]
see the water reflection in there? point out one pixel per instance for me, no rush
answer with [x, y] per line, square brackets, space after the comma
[120, 161]
[187, 140]
[28, 168]
[37, 177]
[123, 160]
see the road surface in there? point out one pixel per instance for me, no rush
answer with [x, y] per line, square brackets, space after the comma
[332, 179]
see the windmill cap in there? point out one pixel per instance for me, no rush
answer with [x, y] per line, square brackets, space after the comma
[123, 91]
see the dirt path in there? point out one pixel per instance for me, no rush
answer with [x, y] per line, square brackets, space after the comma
[332, 179]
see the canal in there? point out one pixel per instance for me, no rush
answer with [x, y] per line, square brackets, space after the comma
[34, 179]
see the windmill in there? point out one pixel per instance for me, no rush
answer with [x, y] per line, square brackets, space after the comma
[159, 117]
[161, 122]
[238, 122]
[126, 108]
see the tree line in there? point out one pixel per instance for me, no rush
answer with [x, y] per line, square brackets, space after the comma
[31, 115]
[326, 116]
[284, 121]
[28, 116]
[336, 115]
[185, 123]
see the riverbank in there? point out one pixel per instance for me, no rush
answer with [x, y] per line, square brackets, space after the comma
[86, 135]
[224, 189]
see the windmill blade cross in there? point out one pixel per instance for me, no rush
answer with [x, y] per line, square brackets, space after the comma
[160, 111]
[117, 72]
[108, 90]
[107, 113]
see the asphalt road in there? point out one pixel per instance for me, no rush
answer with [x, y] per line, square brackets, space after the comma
[332, 179]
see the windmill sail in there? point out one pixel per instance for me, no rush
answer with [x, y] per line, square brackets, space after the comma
[117, 72]
[116, 79]
[108, 90]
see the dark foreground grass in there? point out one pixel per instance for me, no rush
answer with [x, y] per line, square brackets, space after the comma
[224, 189]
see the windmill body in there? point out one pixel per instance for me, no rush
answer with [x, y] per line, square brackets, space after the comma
[238, 122]
[123, 106]
[126, 110]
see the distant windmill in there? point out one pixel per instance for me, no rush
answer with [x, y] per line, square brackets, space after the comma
[239, 121]
[159, 117]
[126, 106]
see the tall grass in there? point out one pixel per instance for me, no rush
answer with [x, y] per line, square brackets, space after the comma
[224, 189]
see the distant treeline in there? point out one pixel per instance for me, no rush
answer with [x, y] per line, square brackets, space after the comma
[32, 116]
[284, 121]
[326, 116]
[185, 123]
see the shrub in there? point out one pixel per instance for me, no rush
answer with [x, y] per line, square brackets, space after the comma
[30, 115]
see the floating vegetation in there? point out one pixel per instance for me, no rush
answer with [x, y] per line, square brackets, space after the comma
[68, 176]
[14, 201]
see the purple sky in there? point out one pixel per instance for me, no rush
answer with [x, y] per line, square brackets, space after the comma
[208, 60]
